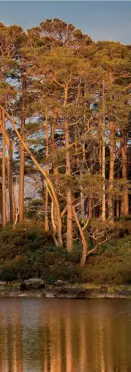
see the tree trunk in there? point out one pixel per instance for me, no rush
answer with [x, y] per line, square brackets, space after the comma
[90, 209]
[54, 160]
[111, 174]
[68, 190]
[81, 167]
[103, 212]
[1, 200]
[125, 196]
[103, 164]
[3, 174]
[10, 184]
[22, 156]
[117, 208]
[47, 170]
[48, 181]
[55, 165]
[84, 242]
[82, 203]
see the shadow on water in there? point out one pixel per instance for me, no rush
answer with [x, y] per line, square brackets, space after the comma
[47, 335]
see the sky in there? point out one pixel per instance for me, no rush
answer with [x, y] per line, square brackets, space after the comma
[102, 20]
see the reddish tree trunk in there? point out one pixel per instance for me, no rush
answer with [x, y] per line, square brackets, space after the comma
[125, 196]
[111, 174]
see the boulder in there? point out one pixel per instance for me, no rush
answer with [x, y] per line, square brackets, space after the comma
[60, 283]
[3, 283]
[67, 293]
[32, 284]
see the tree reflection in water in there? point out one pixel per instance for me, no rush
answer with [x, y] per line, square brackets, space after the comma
[38, 335]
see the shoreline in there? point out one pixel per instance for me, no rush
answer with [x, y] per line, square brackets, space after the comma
[68, 291]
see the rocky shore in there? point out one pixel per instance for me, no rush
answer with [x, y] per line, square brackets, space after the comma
[37, 288]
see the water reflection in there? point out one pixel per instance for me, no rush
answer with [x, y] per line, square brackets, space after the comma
[38, 335]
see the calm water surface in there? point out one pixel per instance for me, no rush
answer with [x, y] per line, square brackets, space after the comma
[48, 335]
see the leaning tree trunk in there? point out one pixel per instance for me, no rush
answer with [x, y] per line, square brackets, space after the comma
[125, 196]
[47, 179]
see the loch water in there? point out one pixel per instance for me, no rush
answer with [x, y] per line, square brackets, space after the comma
[59, 335]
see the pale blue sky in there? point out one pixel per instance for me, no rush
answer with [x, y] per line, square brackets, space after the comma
[102, 20]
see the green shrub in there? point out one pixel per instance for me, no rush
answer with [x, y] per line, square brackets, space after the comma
[31, 253]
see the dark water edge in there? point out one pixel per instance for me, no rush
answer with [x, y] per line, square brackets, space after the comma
[68, 291]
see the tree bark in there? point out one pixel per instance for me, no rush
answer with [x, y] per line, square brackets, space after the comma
[48, 181]
[82, 203]
[47, 170]
[55, 165]
[84, 242]
[22, 156]
[103, 164]
[68, 192]
[111, 174]
[3, 174]
[10, 184]
[125, 196]
[90, 209]
[10, 175]
[68, 189]
[54, 160]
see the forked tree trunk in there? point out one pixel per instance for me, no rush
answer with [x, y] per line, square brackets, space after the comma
[125, 196]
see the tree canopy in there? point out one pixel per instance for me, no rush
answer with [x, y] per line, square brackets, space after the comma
[65, 104]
